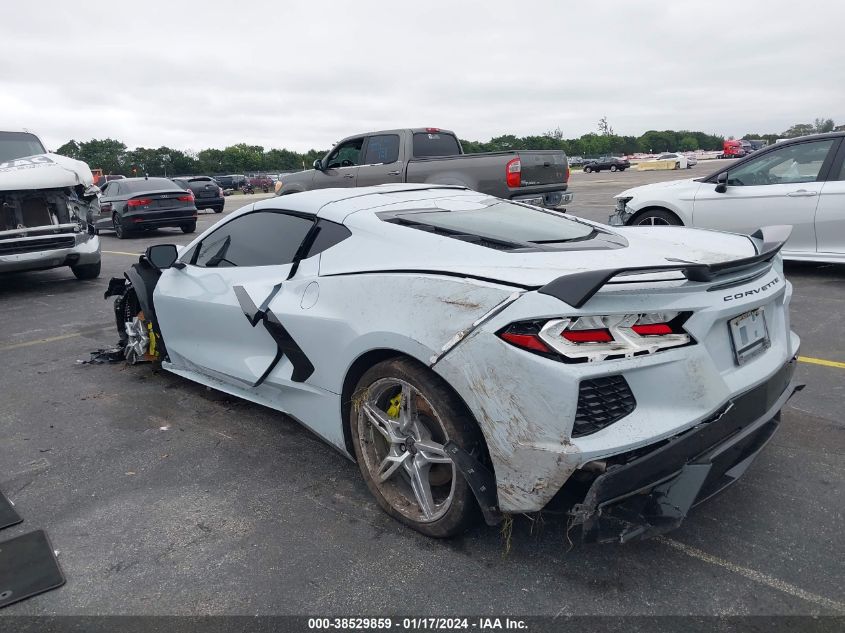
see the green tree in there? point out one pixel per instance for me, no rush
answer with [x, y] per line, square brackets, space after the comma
[823, 125]
[799, 129]
[604, 127]
[69, 149]
[106, 154]
[688, 144]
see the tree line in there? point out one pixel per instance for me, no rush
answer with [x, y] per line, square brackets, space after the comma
[113, 156]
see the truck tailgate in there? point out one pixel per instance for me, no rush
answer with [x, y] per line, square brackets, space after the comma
[542, 167]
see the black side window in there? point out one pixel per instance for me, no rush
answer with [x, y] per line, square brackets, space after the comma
[382, 149]
[346, 155]
[328, 234]
[262, 238]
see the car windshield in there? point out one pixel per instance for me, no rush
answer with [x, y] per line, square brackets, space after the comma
[500, 220]
[19, 144]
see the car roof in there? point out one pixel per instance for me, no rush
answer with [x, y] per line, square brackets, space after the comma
[336, 204]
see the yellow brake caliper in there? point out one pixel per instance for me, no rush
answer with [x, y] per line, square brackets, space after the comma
[395, 404]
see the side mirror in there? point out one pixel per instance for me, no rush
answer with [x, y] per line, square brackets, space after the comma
[318, 165]
[162, 256]
[722, 182]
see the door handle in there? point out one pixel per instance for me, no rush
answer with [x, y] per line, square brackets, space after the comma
[802, 193]
[349, 175]
[394, 173]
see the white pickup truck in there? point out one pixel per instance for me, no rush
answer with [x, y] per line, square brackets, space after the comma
[47, 204]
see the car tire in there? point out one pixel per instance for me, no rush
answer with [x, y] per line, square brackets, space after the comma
[189, 228]
[431, 497]
[588, 170]
[677, 165]
[120, 231]
[87, 271]
[655, 217]
[613, 168]
[218, 209]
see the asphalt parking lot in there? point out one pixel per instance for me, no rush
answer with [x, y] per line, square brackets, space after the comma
[164, 497]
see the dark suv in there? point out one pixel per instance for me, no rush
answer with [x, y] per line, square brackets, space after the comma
[208, 194]
[606, 162]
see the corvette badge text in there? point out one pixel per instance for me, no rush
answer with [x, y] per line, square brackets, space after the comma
[751, 293]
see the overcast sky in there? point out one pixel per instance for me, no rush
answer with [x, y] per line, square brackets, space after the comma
[303, 75]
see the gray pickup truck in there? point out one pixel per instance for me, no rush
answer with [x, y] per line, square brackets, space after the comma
[432, 155]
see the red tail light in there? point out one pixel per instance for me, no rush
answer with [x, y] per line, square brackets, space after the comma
[188, 197]
[652, 329]
[526, 341]
[220, 191]
[568, 172]
[513, 173]
[432, 130]
[138, 202]
[587, 336]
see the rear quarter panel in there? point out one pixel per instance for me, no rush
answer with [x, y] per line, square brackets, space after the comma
[412, 314]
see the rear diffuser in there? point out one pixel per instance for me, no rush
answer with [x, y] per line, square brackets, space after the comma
[28, 566]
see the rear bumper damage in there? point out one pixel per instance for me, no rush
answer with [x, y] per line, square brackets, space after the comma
[653, 491]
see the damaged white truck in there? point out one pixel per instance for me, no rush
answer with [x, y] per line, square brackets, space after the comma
[473, 353]
[48, 204]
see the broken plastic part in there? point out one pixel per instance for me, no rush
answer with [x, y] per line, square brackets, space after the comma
[137, 342]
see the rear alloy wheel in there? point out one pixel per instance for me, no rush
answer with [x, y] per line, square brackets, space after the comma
[402, 415]
[120, 231]
[588, 170]
[87, 271]
[189, 228]
[656, 217]
[613, 168]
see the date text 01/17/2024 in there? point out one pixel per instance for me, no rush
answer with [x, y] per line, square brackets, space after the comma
[417, 624]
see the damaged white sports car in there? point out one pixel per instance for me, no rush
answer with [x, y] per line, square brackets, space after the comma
[475, 353]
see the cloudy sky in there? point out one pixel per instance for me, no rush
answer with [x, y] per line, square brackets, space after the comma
[303, 74]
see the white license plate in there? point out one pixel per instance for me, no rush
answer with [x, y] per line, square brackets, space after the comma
[749, 334]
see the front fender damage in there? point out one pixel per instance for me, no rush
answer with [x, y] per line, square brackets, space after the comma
[139, 334]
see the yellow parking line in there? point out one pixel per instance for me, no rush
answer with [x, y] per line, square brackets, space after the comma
[821, 361]
[122, 253]
[51, 339]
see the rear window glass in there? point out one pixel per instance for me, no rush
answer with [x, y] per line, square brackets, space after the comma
[498, 220]
[432, 144]
[147, 184]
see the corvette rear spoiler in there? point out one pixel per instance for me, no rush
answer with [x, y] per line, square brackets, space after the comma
[576, 289]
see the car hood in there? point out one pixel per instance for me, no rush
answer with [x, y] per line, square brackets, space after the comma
[44, 171]
[673, 186]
